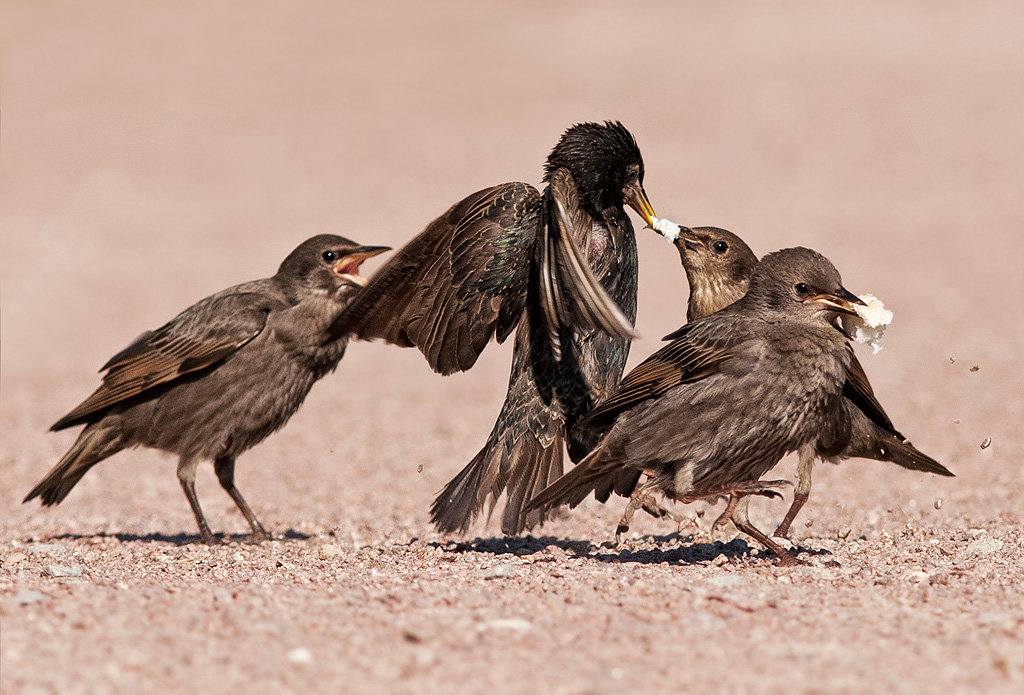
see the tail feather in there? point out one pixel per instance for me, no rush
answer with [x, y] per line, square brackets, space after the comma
[574, 487]
[543, 466]
[905, 454]
[95, 443]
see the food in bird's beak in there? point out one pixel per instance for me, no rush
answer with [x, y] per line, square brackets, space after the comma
[869, 324]
[667, 228]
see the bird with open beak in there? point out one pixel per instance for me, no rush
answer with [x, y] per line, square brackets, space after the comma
[219, 377]
[560, 268]
[719, 406]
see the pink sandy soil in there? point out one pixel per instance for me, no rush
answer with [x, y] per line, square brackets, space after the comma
[155, 152]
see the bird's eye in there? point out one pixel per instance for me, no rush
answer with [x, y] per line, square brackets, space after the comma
[802, 289]
[329, 256]
[719, 247]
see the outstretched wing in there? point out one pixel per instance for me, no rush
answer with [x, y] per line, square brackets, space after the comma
[460, 282]
[199, 337]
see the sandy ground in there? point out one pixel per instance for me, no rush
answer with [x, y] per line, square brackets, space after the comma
[155, 152]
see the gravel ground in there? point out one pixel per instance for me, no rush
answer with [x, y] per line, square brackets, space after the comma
[155, 152]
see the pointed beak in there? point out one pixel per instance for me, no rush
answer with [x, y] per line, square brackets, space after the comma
[689, 240]
[347, 267]
[636, 198]
[843, 302]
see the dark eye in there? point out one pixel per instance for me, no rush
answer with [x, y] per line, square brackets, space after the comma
[802, 289]
[329, 256]
[719, 247]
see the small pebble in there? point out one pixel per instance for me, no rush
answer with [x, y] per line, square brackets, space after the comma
[974, 368]
[986, 442]
[952, 360]
[62, 571]
[300, 655]
[938, 503]
[498, 572]
[419, 468]
[984, 546]
[327, 550]
[25, 598]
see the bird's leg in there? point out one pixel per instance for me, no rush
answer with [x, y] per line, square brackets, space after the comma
[187, 478]
[636, 501]
[739, 518]
[224, 467]
[801, 492]
[726, 516]
[659, 511]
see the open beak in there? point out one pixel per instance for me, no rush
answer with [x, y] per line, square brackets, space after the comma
[690, 240]
[636, 198]
[347, 267]
[843, 302]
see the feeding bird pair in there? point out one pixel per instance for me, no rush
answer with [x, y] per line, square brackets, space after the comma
[559, 268]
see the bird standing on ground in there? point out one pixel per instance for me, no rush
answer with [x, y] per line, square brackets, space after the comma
[219, 377]
[718, 267]
[719, 406]
[559, 267]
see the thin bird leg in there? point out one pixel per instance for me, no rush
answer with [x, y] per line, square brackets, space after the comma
[636, 501]
[801, 492]
[187, 478]
[726, 516]
[659, 511]
[739, 517]
[224, 467]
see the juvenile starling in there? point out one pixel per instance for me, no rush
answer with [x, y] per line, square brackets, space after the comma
[560, 267]
[718, 267]
[219, 377]
[719, 406]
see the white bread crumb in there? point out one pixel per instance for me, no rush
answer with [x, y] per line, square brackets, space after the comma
[869, 324]
[667, 228]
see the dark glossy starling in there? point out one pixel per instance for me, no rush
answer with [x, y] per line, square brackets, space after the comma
[719, 406]
[718, 267]
[559, 267]
[219, 377]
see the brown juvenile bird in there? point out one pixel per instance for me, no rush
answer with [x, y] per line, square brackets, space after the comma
[559, 267]
[219, 377]
[718, 267]
[718, 407]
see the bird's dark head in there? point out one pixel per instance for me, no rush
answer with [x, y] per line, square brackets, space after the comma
[718, 267]
[326, 263]
[800, 281]
[605, 162]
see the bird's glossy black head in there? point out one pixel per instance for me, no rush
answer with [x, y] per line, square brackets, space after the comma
[718, 267]
[605, 163]
[326, 262]
[800, 281]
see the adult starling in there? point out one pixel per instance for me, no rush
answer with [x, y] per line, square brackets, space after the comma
[719, 406]
[219, 377]
[560, 267]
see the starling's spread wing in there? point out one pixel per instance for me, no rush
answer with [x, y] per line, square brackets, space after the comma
[461, 281]
[858, 389]
[570, 294]
[686, 359]
[199, 337]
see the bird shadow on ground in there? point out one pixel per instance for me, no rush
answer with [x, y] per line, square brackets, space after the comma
[178, 539]
[647, 550]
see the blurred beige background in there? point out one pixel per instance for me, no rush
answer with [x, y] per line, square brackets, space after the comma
[154, 152]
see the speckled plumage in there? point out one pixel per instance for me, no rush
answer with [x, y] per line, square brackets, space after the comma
[719, 406]
[560, 266]
[221, 376]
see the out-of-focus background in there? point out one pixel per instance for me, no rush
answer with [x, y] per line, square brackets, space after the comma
[154, 152]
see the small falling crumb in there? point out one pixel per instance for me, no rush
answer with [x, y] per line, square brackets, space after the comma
[986, 443]
[956, 422]
[952, 360]
[419, 468]
[809, 523]
[975, 368]
[938, 503]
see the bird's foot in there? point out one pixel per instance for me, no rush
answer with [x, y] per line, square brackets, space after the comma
[259, 536]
